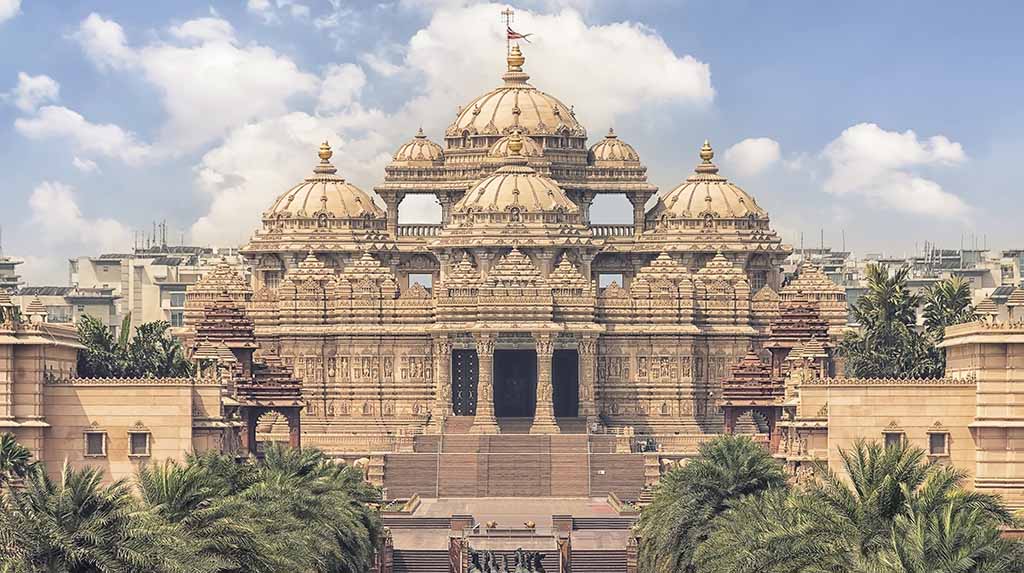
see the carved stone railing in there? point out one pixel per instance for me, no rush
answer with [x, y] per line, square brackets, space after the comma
[964, 381]
[350, 443]
[132, 382]
[612, 230]
[419, 230]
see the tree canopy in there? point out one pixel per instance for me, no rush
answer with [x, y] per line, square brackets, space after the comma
[888, 344]
[150, 353]
[292, 511]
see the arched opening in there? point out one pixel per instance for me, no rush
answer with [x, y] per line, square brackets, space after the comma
[611, 209]
[419, 209]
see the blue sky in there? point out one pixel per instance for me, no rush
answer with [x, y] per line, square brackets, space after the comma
[892, 123]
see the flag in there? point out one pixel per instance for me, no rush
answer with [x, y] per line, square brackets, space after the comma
[513, 35]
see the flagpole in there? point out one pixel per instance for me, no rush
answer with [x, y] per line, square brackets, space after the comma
[509, 14]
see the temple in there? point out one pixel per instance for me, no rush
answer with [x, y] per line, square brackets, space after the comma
[516, 307]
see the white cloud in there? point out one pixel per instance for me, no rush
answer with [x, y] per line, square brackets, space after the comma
[9, 9]
[106, 139]
[85, 165]
[566, 57]
[55, 212]
[104, 43]
[341, 86]
[752, 156]
[209, 84]
[267, 9]
[32, 91]
[261, 160]
[883, 167]
[205, 30]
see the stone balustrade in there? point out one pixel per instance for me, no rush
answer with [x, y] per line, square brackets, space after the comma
[612, 230]
[419, 230]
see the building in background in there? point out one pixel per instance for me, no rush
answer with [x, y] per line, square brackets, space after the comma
[9, 278]
[65, 305]
[151, 282]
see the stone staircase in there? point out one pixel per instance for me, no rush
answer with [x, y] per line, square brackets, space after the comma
[593, 561]
[584, 523]
[420, 561]
[646, 496]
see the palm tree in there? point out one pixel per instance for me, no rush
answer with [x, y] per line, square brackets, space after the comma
[888, 344]
[948, 302]
[946, 528]
[890, 513]
[15, 459]
[778, 531]
[686, 501]
[224, 529]
[331, 503]
[79, 525]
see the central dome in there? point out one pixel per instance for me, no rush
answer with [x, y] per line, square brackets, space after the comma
[515, 105]
[516, 193]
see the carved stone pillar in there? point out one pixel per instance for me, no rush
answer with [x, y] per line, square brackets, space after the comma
[587, 347]
[294, 429]
[485, 422]
[545, 260]
[442, 383]
[392, 201]
[544, 414]
[638, 200]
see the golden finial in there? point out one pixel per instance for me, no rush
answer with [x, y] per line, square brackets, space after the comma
[419, 134]
[325, 152]
[611, 133]
[515, 143]
[516, 59]
[706, 153]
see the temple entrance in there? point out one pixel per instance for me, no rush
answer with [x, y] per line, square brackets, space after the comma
[465, 371]
[515, 383]
[565, 375]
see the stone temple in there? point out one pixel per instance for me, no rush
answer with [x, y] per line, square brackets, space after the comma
[516, 313]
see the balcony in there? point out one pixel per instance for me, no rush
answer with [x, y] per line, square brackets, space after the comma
[419, 230]
[612, 230]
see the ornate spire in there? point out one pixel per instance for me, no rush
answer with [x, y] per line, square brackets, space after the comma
[515, 76]
[706, 155]
[325, 166]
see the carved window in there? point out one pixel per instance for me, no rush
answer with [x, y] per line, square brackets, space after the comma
[424, 279]
[606, 279]
[138, 444]
[893, 439]
[938, 443]
[95, 444]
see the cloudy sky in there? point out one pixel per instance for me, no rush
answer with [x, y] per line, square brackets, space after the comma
[887, 123]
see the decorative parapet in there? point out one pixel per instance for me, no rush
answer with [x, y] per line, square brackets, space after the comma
[199, 381]
[964, 381]
[986, 325]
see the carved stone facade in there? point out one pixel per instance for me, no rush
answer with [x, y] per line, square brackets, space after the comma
[515, 304]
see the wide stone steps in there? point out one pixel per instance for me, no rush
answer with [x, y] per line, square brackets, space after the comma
[420, 561]
[592, 561]
[583, 523]
[417, 522]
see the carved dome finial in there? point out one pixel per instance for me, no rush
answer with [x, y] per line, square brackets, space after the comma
[706, 153]
[516, 59]
[325, 152]
[515, 144]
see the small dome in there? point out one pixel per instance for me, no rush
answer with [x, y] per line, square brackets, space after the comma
[707, 194]
[612, 151]
[516, 190]
[530, 148]
[325, 195]
[419, 150]
[516, 105]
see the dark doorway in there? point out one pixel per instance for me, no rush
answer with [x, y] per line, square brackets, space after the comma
[465, 373]
[515, 383]
[565, 374]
